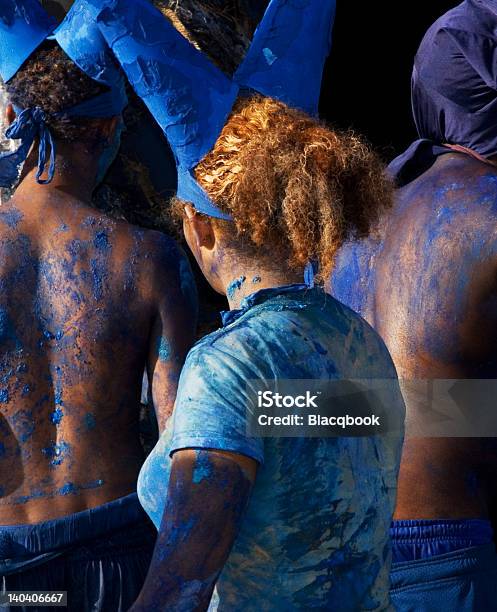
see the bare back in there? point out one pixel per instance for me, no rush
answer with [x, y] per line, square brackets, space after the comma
[83, 309]
[428, 284]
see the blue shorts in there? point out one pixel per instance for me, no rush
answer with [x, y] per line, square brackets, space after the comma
[99, 556]
[443, 565]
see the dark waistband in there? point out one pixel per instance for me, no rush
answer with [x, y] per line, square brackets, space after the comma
[461, 563]
[51, 536]
[477, 530]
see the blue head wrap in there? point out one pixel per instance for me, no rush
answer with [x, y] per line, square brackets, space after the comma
[454, 88]
[191, 98]
[24, 25]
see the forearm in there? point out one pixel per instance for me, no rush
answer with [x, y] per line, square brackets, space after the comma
[206, 499]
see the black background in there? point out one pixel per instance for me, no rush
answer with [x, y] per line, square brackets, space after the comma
[367, 79]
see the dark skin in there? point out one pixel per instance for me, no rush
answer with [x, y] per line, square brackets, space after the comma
[87, 304]
[428, 284]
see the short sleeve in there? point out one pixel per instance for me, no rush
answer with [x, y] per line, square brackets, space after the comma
[213, 404]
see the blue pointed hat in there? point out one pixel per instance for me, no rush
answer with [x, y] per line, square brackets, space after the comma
[191, 98]
[81, 40]
[24, 26]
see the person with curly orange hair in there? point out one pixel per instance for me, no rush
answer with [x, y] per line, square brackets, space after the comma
[296, 191]
[274, 519]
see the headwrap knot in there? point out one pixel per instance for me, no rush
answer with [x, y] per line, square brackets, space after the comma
[29, 125]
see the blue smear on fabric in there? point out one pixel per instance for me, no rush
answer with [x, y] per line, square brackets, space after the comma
[269, 55]
[320, 349]
[235, 286]
[332, 537]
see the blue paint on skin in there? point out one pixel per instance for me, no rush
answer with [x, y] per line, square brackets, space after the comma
[57, 452]
[256, 280]
[89, 222]
[7, 376]
[11, 217]
[235, 286]
[93, 485]
[26, 390]
[164, 349]
[202, 469]
[90, 421]
[101, 241]
[57, 416]
[62, 228]
[96, 271]
[24, 499]
[4, 396]
[7, 329]
[2, 450]
[68, 489]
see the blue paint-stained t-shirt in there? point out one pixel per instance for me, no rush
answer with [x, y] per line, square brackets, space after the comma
[315, 535]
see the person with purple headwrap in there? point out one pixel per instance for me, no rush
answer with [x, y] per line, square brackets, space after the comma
[87, 303]
[428, 283]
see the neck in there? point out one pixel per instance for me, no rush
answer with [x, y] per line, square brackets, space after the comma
[251, 278]
[492, 161]
[75, 172]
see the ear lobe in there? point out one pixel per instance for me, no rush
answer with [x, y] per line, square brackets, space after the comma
[10, 114]
[203, 230]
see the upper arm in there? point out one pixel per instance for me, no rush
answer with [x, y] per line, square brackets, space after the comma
[173, 329]
[207, 495]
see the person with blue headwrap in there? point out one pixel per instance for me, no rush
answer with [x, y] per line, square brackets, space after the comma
[87, 303]
[266, 195]
[427, 282]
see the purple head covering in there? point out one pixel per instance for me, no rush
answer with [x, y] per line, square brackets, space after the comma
[454, 88]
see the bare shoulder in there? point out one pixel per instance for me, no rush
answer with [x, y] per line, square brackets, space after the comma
[165, 266]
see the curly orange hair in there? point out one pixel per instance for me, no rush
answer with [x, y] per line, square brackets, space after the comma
[294, 186]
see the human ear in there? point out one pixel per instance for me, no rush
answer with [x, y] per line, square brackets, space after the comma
[10, 114]
[199, 229]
